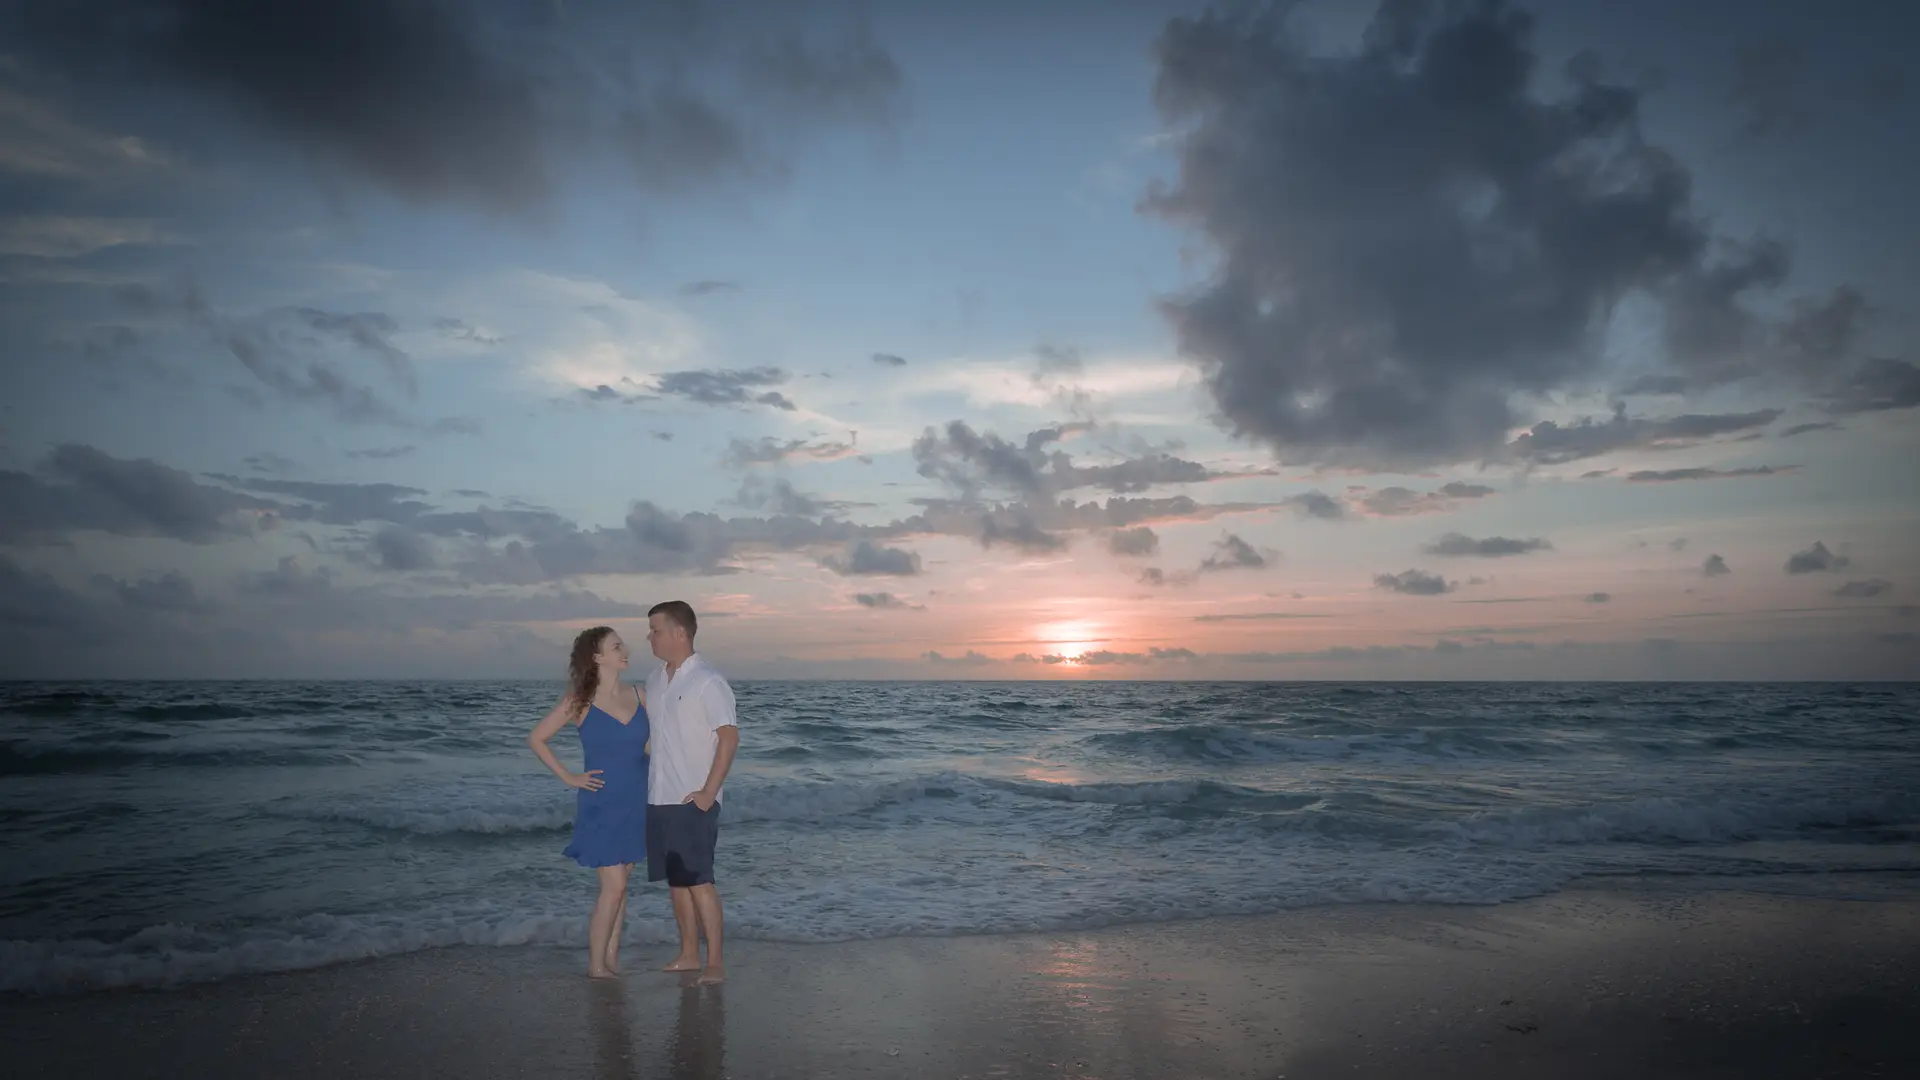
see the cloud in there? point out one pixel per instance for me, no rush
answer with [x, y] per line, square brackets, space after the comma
[288, 353]
[86, 489]
[1598, 597]
[1458, 544]
[1877, 385]
[1315, 504]
[342, 504]
[1402, 502]
[461, 330]
[1258, 616]
[766, 450]
[1232, 553]
[885, 601]
[708, 288]
[968, 659]
[1803, 429]
[729, 387]
[1862, 590]
[438, 102]
[402, 549]
[1715, 566]
[1412, 234]
[168, 592]
[1017, 529]
[1414, 583]
[1816, 559]
[1551, 443]
[1766, 87]
[1667, 476]
[971, 462]
[866, 558]
[889, 360]
[1677, 544]
[372, 453]
[1139, 540]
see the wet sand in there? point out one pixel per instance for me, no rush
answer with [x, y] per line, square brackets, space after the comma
[1644, 982]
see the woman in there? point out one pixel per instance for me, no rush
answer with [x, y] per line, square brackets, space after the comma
[610, 816]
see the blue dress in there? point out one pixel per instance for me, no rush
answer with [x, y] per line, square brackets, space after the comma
[610, 825]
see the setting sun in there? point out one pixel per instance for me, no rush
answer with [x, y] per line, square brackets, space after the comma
[1071, 638]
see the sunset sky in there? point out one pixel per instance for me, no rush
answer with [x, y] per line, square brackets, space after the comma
[1570, 339]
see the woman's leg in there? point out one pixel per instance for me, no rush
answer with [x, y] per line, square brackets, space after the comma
[606, 911]
[619, 920]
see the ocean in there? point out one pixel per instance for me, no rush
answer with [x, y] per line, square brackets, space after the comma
[162, 834]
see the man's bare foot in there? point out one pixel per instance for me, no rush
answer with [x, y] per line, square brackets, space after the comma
[683, 963]
[712, 974]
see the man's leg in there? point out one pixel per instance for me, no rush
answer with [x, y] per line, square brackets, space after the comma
[687, 919]
[706, 901]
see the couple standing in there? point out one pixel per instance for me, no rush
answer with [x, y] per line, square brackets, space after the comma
[650, 786]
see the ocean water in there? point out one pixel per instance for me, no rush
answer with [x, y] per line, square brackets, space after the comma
[168, 833]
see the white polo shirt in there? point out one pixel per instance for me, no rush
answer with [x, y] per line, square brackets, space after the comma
[686, 714]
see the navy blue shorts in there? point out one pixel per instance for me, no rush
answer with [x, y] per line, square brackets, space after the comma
[680, 843]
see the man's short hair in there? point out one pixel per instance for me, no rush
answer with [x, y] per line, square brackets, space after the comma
[680, 613]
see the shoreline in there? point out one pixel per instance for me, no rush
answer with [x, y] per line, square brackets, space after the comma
[1648, 980]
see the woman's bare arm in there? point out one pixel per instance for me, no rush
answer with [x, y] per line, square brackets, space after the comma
[549, 726]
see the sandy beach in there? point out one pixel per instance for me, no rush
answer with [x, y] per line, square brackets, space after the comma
[1646, 982]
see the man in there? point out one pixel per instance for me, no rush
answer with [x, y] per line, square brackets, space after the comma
[694, 739]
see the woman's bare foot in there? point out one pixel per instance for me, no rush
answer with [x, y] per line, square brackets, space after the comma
[712, 974]
[683, 963]
[601, 973]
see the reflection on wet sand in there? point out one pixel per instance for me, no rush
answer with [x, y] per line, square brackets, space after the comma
[612, 1038]
[699, 1047]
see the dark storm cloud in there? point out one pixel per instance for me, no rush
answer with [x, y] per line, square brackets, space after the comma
[1667, 476]
[889, 360]
[1715, 566]
[726, 387]
[1137, 541]
[1444, 236]
[1459, 544]
[1598, 597]
[866, 558]
[1230, 552]
[1550, 443]
[1413, 583]
[1815, 560]
[1863, 590]
[1417, 235]
[475, 102]
[79, 488]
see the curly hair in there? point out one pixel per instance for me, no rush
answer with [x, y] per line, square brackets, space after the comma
[583, 667]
